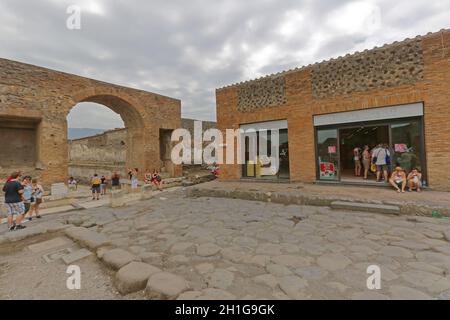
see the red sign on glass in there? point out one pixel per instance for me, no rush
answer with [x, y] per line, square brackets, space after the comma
[331, 149]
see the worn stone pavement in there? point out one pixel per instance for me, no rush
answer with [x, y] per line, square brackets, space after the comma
[227, 248]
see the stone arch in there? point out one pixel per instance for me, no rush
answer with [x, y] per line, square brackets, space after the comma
[39, 100]
[132, 114]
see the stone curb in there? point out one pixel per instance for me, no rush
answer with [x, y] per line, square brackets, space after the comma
[311, 200]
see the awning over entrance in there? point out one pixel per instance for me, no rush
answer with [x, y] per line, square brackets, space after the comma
[373, 114]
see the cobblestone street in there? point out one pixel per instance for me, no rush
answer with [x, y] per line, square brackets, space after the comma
[226, 248]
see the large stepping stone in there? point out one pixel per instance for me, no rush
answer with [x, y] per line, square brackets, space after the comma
[117, 258]
[366, 207]
[164, 285]
[87, 238]
[134, 276]
[208, 250]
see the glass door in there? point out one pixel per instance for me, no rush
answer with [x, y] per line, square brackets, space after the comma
[328, 154]
[407, 145]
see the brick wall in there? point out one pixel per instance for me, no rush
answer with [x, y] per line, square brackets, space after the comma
[308, 94]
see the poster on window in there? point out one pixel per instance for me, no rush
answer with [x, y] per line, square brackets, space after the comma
[331, 149]
[327, 170]
[401, 147]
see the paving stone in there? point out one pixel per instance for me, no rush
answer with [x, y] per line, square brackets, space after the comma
[410, 244]
[49, 244]
[181, 247]
[25, 233]
[88, 238]
[293, 286]
[165, 285]
[219, 278]
[117, 258]
[76, 255]
[392, 251]
[234, 254]
[208, 249]
[433, 258]
[291, 261]
[426, 267]
[266, 279]
[258, 260]
[311, 273]
[179, 259]
[269, 249]
[151, 257]
[134, 276]
[431, 281]
[245, 242]
[204, 268]
[447, 235]
[406, 233]
[338, 286]
[406, 293]
[377, 208]
[333, 261]
[278, 270]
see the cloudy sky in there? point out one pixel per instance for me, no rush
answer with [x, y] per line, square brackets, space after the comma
[186, 49]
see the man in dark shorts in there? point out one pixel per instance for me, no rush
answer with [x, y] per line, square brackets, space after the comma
[96, 182]
[13, 190]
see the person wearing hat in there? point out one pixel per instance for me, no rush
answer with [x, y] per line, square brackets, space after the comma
[398, 180]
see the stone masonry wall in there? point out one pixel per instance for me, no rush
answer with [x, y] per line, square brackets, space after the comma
[46, 97]
[429, 83]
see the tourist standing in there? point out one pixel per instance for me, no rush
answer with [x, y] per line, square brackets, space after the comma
[27, 193]
[115, 181]
[380, 158]
[357, 161]
[96, 182]
[103, 185]
[366, 160]
[38, 194]
[73, 184]
[13, 190]
[134, 178]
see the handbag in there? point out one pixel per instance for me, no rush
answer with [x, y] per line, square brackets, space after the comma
[373, 167]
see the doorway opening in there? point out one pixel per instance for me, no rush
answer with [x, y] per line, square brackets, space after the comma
[358, 137]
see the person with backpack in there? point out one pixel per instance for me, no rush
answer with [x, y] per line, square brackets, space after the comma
[381, 158]
[13, 190]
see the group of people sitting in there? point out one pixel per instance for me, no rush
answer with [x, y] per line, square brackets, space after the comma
[23, 196]
[378, 161]
[99, 184]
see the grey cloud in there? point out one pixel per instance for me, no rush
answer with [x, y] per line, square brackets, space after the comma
[186, 49]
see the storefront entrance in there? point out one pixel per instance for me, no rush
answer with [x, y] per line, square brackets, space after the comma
[336, 142]
[358, 137]
[265, 150]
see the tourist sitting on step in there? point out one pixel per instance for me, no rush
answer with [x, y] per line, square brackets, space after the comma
[415, 180]
[398, 180]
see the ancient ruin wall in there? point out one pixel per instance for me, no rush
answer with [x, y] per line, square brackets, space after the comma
[383, 67]
[263, 93]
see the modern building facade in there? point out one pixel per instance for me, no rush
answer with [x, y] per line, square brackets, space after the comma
[397, 95]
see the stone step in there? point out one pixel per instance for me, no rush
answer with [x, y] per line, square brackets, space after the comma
[366, 207]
